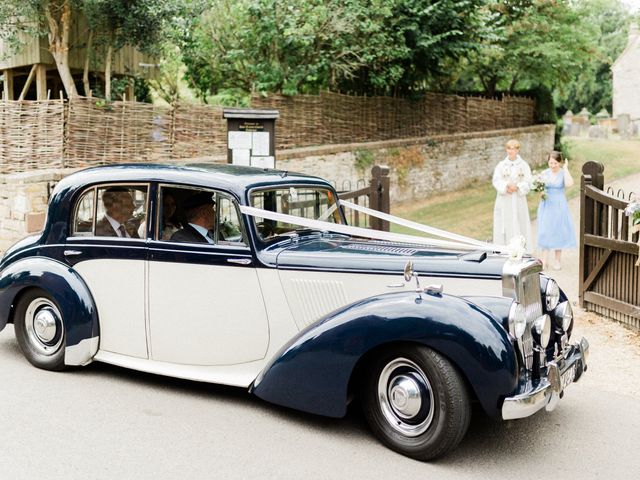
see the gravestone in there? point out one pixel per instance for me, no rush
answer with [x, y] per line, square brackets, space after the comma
[567, 123]
[624, 125]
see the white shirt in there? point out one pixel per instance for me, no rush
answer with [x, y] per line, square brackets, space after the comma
[202, 231]
[116, 226]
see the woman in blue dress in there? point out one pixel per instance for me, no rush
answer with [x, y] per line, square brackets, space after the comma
[555, 228]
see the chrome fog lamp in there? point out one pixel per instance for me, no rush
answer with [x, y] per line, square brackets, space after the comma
[563, 315]
[517, 320]
[542, 330]
[551, 295]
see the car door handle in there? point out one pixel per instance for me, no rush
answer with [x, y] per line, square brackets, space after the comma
[72, 253]
[239, 261]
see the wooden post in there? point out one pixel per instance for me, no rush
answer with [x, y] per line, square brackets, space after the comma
[130, 91]
[385, 200]
[41, 82]
[379, 195]
[8, 84]
[374, 198]
[27, 84]
[592, 174]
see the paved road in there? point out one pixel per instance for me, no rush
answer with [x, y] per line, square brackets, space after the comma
[103, 422]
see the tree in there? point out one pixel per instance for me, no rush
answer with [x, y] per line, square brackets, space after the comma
[139, 23]
[409, 45]
[300, 46]
[42, 17]
[290, 46]
[531, 43]
[593, 87]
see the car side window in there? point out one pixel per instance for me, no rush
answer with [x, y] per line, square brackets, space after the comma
[197, 215]
[229, 226]
[82, 225]
[117, 211]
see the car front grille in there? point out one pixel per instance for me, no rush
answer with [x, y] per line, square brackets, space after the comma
[522, 282]
[529, 297]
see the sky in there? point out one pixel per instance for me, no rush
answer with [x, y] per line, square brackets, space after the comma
[634, 5]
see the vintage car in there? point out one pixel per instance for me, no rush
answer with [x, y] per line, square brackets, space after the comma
[252, 278]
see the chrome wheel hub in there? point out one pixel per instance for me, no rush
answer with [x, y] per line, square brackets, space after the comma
[43, 325]
[405, 397]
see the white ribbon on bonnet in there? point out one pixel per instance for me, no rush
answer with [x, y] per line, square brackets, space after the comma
[515, 249]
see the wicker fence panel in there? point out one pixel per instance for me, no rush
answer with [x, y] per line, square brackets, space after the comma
[198, 131]
[83, 131]
[31, 135]
[122, 132]
[335, 118]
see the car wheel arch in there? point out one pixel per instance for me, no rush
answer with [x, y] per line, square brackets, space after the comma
[361, 368]
[69, 291]
[468, 337]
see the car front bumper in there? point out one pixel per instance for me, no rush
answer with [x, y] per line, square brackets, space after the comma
[562, 371]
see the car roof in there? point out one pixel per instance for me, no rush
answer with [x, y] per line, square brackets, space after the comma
[233, 178]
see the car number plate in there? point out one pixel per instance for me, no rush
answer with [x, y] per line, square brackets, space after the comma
[567, 377]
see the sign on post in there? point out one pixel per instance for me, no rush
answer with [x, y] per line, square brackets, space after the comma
[251, 137]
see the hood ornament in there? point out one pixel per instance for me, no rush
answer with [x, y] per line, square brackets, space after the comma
[409, 273]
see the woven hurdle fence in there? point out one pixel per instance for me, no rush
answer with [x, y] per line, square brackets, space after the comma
[86, 131]
[331, 118]
[31, 135]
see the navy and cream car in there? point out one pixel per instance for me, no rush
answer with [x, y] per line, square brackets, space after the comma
[252, 278]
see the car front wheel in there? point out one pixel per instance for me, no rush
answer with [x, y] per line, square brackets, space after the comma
[39, 330]
[417, 403]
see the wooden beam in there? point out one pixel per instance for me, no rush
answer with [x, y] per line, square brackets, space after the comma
[27, 84]
[596, 270]
[7, 92]
[610, 243]
[613, 304]
[602, 197]
[41, 82]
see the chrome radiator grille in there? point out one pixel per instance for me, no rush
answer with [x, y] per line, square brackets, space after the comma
[522, 282]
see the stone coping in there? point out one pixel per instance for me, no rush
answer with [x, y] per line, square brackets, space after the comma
[293, 153]
[346, 147]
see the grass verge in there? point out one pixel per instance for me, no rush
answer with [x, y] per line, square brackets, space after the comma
[469, 211]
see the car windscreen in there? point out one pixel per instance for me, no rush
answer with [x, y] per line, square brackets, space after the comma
[312, 203]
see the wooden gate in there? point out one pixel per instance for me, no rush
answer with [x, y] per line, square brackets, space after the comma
[609, 282]
[374, 196]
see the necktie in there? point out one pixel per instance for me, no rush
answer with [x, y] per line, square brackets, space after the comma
[123, 232]
[210, 236]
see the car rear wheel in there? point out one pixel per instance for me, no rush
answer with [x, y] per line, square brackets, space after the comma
[417, 403]
[39, 330]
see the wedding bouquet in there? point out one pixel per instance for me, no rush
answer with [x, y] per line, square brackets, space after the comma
[537, 185]
[633, 211]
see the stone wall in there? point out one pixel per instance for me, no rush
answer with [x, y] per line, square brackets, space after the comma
[23, 202]
[420, 167]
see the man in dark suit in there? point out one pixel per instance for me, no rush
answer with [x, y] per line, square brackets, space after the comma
[118, 206]
[200, 212]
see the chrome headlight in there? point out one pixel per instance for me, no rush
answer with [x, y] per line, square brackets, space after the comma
[563, 315]
[517, 320]
[551, 295]
[542, 330]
